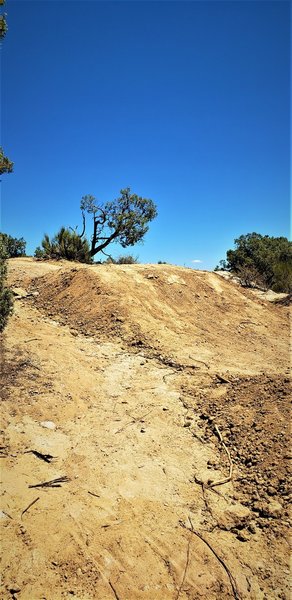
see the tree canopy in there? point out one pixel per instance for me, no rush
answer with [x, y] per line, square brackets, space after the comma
[123, 220]
[13, 246]
[262, 260]
[3, 22]
[6, 165]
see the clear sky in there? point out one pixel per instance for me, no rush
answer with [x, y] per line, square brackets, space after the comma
[185, 102]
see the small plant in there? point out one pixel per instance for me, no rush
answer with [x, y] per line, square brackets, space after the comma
[127, 259]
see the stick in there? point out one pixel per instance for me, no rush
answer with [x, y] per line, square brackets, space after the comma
[199, 361]
[227, 479]
[134, 420]
[46, 457]
[185, 571]
[53, 483]
[230, 576]
[222, 379]
[29, 506]
[114, 591]
[92, 494]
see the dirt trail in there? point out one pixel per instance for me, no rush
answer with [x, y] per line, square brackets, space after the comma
[126, 364]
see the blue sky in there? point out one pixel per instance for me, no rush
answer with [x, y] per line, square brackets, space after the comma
[185, 102]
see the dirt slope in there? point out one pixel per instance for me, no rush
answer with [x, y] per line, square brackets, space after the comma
[142, 369]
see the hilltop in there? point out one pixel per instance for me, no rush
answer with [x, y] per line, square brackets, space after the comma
[147, 384]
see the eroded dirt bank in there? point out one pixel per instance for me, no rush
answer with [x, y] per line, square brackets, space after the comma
[147, 385]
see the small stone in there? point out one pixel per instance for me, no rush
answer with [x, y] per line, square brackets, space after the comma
[243, 536]
[252, 527]
[271, 491]
[234, 516]
[142, 430]
[48, 424]
[272, 509]
[3, 515]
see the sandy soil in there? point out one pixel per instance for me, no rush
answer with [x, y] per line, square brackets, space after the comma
[145, 386]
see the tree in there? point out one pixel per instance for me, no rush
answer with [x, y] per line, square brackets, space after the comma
[124, 220]
[14, 247]
[64, 244]
[3, 22]
[262, 260]
[6, 166]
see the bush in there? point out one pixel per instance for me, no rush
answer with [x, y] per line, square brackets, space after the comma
[261, 260]
[65, 244]
[6, 297]
[128, 259]
[13, 246]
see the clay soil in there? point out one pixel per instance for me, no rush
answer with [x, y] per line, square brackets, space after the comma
[157, 397]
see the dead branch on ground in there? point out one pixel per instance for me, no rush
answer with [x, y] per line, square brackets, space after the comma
[229, 478]
[185, 571]
[51, 484]
[114, 591]
[199, 361]
[222, 379]
[29, 506]
[46, 457]
[221, 561]
[134, 420]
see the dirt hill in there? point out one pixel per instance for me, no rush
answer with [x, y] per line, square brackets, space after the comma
[160, 395]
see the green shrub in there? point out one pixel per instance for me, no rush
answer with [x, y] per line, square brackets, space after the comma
[261, 260]
[6, 297]
[13, 247]
[65, 244]
[127, 259]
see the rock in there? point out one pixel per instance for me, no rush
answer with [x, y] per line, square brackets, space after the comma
[272, 509]
[3, 515]
[243, 536]
[234, 516]
[19, 292]
[252, 527]
[48, 424]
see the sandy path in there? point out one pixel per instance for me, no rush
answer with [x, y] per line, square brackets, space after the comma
[131, 448]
